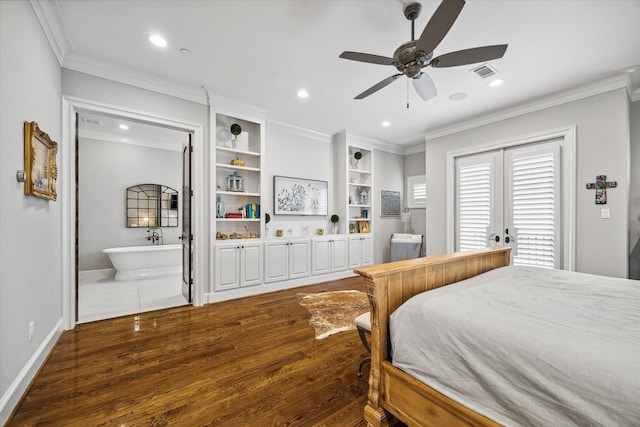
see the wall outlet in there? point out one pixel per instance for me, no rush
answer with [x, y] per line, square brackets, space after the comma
[32, 330]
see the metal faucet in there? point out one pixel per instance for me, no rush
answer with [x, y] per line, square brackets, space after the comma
[156, 236]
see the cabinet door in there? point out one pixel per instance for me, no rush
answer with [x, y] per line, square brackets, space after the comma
[339, 255]
[367, 251]
[299, 259]
[276, 261]
[227, 267]
[321, 263]
[355, 252]
[250, 265]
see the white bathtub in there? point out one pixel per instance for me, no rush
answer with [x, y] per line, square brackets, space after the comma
[144, 262]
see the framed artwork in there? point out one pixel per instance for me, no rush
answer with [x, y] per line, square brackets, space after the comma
[40, 166]
[389, 203]
[363, 226]
[298, 196]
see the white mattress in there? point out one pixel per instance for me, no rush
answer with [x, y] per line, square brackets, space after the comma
[526, 346]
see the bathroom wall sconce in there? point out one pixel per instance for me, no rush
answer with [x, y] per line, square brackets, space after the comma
[21, 176]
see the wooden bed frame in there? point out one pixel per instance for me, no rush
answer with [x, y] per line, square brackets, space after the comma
[393, 393]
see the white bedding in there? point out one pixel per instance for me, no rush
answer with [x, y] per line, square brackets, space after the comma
[528, 346]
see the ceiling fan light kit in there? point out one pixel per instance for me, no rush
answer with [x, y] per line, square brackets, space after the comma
[411, 57]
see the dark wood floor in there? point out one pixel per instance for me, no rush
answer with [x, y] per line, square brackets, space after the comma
[247, 362]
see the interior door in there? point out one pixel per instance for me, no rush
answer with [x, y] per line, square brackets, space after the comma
[187, 236]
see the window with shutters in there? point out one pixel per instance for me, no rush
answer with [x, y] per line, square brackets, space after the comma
[416, 192]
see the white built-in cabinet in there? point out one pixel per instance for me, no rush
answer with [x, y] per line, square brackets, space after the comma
[237, 251]
[238, 264]
[286, 259]
[360, 250]
[240, 254]
[329, 254]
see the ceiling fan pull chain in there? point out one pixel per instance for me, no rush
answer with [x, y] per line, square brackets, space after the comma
[407, 94]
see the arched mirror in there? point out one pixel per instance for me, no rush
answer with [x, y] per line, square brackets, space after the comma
[152, 205]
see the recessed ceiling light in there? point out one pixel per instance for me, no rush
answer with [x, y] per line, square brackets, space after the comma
[185, 50]
[386, 123]
[303, 93]
[124, 140]
[158, 40]
[631, 70]
[496, 82]
[458, 96]
[123, 127]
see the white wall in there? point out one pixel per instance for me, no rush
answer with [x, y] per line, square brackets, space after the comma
[106, 170]
[634, 187]
[298, 154]
[30, 228]
[602, 149]
[388, 175]
[414, 165]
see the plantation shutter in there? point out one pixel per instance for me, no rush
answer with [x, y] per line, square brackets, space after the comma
[533, 182]
[416, 191]
[475, 204]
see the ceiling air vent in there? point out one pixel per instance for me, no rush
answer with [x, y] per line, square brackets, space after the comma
[484, 71]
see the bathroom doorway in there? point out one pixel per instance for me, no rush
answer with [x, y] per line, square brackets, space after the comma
[128, 184]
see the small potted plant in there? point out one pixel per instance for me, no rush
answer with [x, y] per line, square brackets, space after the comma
[357, 155]
[334, 219]
[236, 130]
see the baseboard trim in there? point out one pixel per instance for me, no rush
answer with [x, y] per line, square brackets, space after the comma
[12, 396]
[229, 294]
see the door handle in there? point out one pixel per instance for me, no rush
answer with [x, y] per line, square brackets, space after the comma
[508, 237]
[495, 237]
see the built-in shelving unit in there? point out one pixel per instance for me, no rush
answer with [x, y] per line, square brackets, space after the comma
[354, 196]
[246, 150]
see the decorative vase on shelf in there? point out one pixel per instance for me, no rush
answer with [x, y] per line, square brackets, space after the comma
[221, 210]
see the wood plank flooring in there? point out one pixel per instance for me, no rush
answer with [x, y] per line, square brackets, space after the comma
[247, 362]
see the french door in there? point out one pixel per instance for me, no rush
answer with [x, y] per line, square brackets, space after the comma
[187, 235]
[512, 197]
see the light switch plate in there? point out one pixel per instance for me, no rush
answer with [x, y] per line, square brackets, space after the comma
[605, 214]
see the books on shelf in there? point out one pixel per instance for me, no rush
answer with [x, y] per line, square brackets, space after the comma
[249, 211]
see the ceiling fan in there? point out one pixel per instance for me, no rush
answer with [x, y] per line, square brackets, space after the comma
[411, 57]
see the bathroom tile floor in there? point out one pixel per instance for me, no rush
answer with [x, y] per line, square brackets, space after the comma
[102, 297]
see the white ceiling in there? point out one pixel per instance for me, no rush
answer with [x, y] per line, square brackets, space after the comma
[262, 52]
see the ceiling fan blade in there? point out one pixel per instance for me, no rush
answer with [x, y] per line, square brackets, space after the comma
[469, 56]
[439, 25]
[378, 86]
[366, 57]
[424, 86]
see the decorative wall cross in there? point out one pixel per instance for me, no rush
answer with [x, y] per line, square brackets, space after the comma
[601, 186]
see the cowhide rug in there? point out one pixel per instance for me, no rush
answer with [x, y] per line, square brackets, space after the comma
[333, 312]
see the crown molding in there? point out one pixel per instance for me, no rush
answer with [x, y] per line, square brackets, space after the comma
[608, 84]
[128, 76]
[234, 107]
[415, 149]
[54, 27]
[316, 135]
[368, 143]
